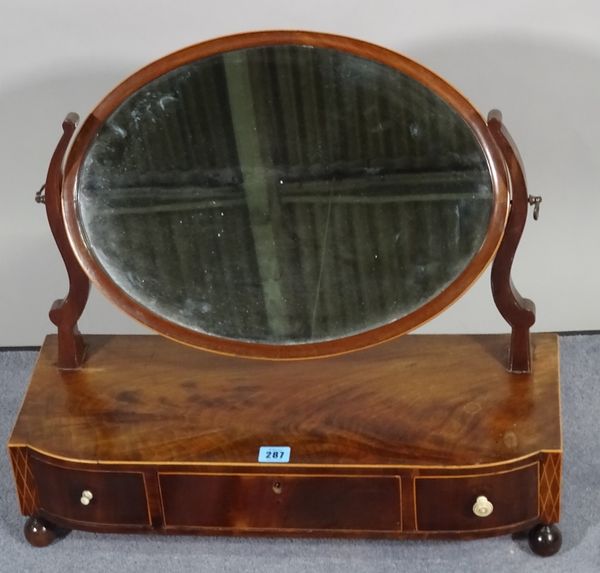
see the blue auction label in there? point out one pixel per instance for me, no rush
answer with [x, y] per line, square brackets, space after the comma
[274, 454]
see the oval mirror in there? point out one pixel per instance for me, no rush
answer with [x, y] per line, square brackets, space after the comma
[284, 194]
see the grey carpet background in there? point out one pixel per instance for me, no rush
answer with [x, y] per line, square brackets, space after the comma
[580, 523]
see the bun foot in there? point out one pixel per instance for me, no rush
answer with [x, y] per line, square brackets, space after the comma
[545, 540]
[41, 533]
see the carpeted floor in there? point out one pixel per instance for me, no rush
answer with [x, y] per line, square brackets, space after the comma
[580, 523]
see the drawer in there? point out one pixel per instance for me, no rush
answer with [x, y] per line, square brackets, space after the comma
[117, 498]
[445, 503]
[281, 502]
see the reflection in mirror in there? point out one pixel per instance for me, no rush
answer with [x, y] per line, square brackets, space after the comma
[284, 194]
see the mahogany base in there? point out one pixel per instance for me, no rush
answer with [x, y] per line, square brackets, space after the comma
[395, 441]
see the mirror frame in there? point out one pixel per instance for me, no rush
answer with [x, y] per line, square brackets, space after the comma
[494, 157]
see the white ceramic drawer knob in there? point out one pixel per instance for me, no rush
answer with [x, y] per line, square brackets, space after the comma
[86, 497]
[482, 507]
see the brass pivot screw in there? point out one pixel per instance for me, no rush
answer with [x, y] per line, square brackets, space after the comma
[40, 197]
[535, 200]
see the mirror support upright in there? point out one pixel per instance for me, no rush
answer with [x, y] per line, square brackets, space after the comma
[66, 312]
[518, 311]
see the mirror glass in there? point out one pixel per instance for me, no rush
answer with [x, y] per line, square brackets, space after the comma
[284, 194]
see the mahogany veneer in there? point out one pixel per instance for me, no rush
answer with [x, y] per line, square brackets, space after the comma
[393, 441]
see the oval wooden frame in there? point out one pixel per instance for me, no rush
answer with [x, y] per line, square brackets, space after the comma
[494, 157]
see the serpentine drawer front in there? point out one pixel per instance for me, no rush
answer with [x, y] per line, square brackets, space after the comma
[454, 503]
[102, 497]
[282, 502]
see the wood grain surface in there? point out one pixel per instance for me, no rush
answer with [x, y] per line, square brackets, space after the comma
[419, 400]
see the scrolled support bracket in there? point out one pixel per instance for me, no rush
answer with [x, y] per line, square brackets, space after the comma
[65, 312]
[518, 311]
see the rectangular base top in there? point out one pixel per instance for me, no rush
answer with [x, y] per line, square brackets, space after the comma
[435, 400]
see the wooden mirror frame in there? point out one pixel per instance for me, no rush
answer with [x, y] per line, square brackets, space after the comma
[504, 230]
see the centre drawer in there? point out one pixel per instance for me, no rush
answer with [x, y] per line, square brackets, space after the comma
[281, 501]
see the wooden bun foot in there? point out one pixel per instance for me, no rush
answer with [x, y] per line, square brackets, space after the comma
[545, 540]
[41, 533]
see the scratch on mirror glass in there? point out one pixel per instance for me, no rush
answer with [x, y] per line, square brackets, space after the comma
[165, 100]
[119, 130]
[414, 129]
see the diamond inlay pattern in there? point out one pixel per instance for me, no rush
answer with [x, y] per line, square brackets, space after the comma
[24, 480]
[550, 488]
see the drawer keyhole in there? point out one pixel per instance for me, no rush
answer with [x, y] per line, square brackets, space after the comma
[277, 487]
